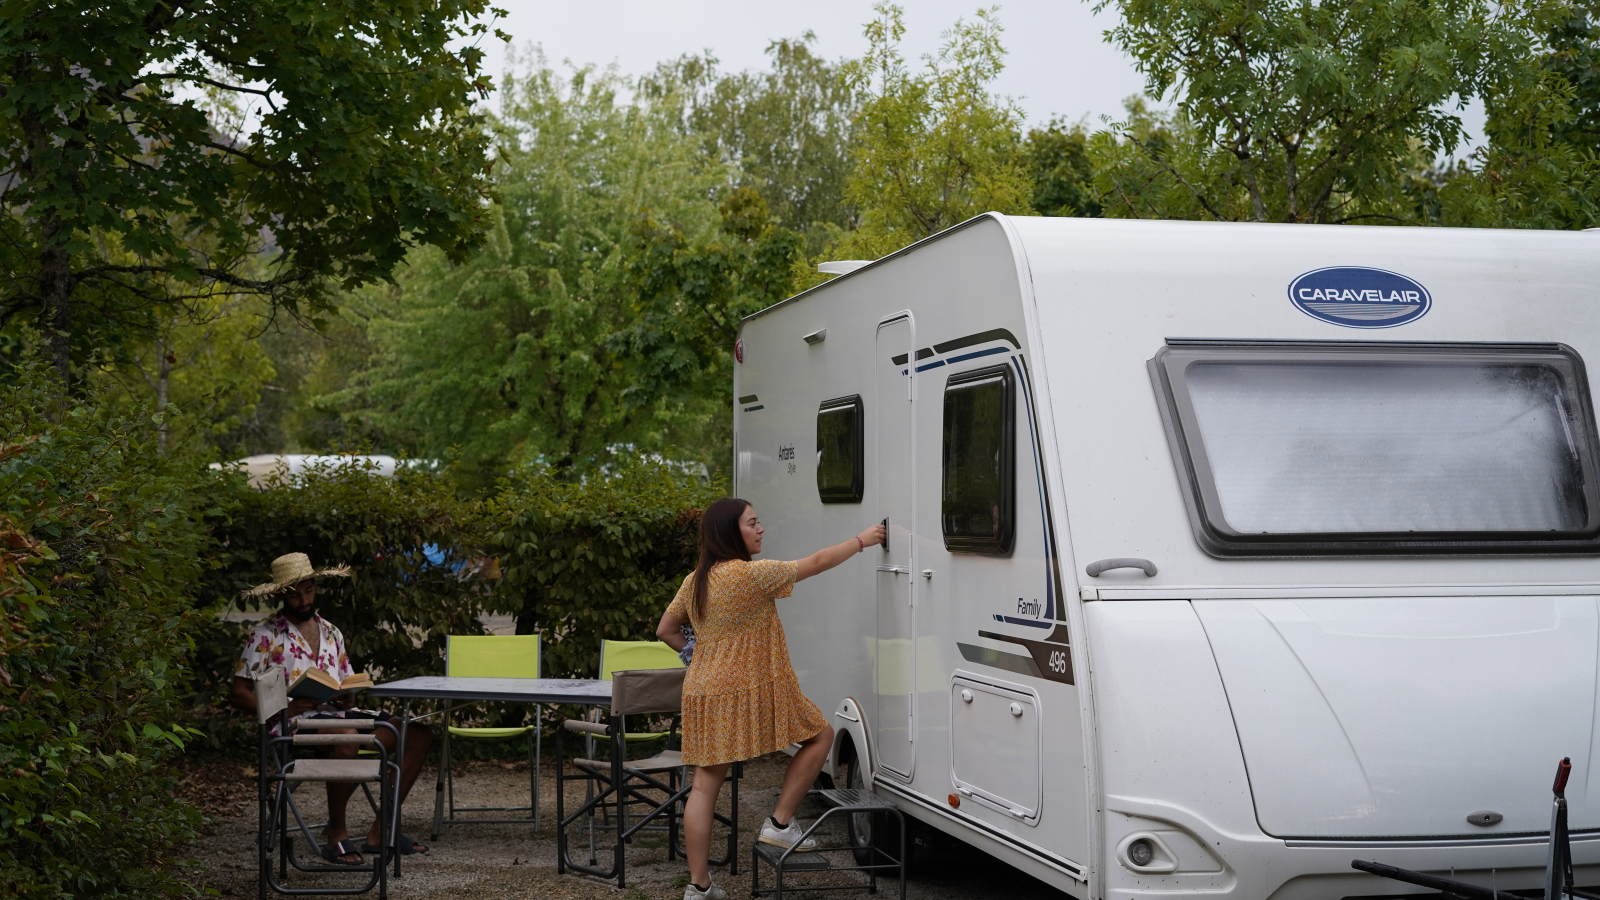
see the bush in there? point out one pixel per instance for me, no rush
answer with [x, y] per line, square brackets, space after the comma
[595, 559]
[102, 547]
[398, 605]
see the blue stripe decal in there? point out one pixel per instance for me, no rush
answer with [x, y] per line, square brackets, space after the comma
[1028, 622]
[932, 365]
[1044, 504]
[966, 356]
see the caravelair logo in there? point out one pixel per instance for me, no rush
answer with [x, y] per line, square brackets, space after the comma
[1360, 298]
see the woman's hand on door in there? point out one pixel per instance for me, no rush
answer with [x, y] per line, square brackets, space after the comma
[828, 557]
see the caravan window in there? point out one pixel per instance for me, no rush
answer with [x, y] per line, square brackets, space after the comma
[1391, 448]
[839, 455]
[979, 456]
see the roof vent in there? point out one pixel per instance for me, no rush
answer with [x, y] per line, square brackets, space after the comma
[842, 266]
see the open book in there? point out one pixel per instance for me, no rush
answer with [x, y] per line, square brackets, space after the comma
[315, 684]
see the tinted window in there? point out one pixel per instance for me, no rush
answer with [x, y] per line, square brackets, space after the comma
[839, 453]
[1405, 444]
[979, 484]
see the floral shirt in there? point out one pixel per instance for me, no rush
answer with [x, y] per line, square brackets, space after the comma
[276, 643]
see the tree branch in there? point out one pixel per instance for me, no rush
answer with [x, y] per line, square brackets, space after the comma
[1181, 180]
[179, 76]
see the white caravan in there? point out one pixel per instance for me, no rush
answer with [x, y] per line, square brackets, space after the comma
[1220, 555]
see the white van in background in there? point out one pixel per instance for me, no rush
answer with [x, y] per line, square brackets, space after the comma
[1220, 555]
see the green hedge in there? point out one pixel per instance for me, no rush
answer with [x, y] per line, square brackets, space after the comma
[396, 608]
[595, 558]
[582, 559]
[102, 547]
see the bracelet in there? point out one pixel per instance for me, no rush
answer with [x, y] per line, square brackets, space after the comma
[861, 546]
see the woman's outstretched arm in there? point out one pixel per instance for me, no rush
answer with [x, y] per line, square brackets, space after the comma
[828, 557]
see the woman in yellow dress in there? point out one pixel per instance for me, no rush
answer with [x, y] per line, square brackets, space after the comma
[740, 696]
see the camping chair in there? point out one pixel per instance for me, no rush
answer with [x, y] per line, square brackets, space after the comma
[489, 656]
[625, 783]
[279, 771]
[623, 656]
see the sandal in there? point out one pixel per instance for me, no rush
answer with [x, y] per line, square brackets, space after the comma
[403, 845]
[336, 851]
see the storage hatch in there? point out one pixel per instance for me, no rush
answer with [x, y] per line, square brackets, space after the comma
[994, 744]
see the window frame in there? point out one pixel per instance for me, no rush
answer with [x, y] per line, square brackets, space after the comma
[1168, 372]
[1002, 545]
[858, 464]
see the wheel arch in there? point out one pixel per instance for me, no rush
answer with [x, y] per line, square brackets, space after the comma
[851, 735]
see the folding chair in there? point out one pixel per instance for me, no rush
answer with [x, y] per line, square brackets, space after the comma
[279, 771]
[624, 656]
[637, 689]
[489, 656]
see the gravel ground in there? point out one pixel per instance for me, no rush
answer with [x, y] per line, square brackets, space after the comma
[491, 862]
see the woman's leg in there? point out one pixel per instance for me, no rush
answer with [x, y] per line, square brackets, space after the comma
[698, 814]
[802, 773]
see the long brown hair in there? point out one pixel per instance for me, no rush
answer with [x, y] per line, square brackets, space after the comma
[720, 539]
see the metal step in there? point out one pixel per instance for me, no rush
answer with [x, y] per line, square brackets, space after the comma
[853, 798]
[797, 862]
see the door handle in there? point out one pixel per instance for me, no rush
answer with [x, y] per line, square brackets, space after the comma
[900, 570]
[886, 535]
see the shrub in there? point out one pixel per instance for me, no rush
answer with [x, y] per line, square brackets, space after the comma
[102, 547]
[599, 558]
[398, 605]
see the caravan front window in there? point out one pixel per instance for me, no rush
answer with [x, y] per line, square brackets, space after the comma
[1394, 448]
[979, 450]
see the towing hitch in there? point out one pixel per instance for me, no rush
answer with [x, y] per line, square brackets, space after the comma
[1557, 872]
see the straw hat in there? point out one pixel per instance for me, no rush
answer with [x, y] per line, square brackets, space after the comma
[291, 569]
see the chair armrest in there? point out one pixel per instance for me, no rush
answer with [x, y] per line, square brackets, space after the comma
[583, 727]
[329, 740]
[315, 724]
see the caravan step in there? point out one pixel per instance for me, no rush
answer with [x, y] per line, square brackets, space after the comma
[797, 862]
[854, 798]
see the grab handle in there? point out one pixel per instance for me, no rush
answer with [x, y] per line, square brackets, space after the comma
[1122, 562]
[886, 535]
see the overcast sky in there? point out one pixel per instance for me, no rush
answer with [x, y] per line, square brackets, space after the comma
[1057, 63]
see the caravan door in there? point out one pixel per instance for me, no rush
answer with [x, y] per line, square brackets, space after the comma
[894, 400]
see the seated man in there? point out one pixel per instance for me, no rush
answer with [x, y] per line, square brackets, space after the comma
[294, 640]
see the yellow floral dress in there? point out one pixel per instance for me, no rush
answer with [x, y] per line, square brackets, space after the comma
[740, 696]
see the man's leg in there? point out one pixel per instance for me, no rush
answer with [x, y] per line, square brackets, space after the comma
[417, 740]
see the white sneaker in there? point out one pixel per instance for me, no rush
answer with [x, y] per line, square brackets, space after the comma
[786, 837]
[711, 893]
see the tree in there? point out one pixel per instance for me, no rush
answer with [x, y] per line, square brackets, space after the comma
[784, 132]
[505, 357]
[1057, 160]
[1573, 53]
[932, 148]
[211, 367]
[691, 295]
[129, 196]
[1541, 165]
[1293, 111]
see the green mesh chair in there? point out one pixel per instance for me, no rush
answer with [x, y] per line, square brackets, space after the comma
[489, 656]
[621, 656]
